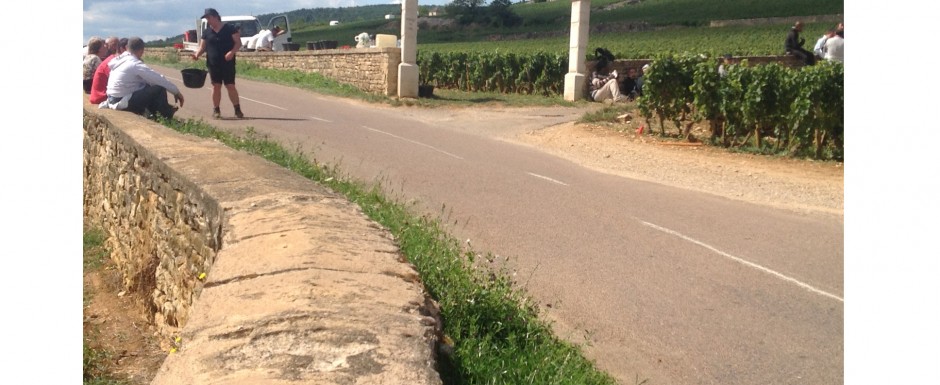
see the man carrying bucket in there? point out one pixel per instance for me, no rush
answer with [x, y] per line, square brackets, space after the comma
[220, 41]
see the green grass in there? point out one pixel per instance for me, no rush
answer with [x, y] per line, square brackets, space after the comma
[94, 249]
[496, 333]
[95, 367]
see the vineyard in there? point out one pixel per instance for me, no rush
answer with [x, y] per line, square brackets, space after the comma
[770, 107]
[782, 110]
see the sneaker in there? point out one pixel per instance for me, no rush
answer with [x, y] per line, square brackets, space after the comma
[239, 114]
[216, 115]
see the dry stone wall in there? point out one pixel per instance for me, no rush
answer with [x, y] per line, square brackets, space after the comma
[163, 232]
[257, 274]
[373, 70]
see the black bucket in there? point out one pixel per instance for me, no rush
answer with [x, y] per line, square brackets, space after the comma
[194, 77]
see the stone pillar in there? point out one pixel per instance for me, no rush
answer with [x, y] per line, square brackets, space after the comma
[577, 49]
[408, 69]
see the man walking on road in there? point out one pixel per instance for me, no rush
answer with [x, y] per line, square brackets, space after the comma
[220, 42]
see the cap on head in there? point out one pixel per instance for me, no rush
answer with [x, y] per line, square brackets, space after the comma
[210, 12]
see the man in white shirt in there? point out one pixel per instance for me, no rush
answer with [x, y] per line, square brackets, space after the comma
[135, 87]
[820, 48]
[264, 40]
[835, 48]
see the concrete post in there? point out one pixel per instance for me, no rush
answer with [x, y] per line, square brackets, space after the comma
[577, 48]
[408, 69]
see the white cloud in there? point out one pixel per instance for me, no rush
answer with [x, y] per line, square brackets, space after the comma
[159, 19]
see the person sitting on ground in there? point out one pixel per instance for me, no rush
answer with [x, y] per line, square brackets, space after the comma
[820, 48]
[629, 86]
[604, 84]
[794, 45]
[133, 86]
[97, 51]
[99, 83]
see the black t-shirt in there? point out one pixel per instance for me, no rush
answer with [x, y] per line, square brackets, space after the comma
[218, 43]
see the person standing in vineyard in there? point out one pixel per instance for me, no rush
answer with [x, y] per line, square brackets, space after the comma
[794, 45]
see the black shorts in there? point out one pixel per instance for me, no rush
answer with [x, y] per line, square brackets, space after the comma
[223, 73]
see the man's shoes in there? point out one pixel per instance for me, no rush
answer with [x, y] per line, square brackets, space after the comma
[216, 115]
[239, 114]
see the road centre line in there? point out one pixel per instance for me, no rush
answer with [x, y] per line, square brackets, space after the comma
[742, 261]
[547, 178]
[415, 142]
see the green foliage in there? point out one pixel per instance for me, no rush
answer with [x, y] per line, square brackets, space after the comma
[93, 250]
[796, 109]
[817, 112]
[667, 88]
[539, 73]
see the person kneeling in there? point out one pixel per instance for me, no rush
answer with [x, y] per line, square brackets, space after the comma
[133, 86]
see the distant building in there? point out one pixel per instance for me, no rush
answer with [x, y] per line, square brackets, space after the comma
[389, 17]
[334, 22]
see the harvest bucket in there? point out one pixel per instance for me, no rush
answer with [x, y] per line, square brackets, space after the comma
[194, 77]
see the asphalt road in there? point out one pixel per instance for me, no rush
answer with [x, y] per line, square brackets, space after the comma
[660, 283]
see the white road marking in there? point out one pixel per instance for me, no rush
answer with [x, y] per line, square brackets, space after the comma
[743, 262]
[321, 119]
[547, 178]
[269, 105]
[415, 142]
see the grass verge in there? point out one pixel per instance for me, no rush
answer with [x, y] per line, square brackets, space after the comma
[95, 367]
[496, 335]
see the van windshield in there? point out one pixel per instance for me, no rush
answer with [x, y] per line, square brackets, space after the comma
[248, 27]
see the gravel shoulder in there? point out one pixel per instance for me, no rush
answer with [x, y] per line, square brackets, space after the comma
[794, 184]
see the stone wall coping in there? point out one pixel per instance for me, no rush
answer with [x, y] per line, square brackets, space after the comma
[304, 289]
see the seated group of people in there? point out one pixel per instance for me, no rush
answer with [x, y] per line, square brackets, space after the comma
[831, 46]
[606, 84]
[114, 77]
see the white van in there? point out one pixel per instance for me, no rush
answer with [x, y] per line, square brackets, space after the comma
[249, 26]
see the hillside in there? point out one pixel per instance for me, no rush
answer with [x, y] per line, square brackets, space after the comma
[633, 27]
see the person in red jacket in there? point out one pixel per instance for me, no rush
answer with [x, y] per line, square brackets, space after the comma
[99, 82]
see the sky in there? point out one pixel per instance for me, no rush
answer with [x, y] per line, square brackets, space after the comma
[159, 19]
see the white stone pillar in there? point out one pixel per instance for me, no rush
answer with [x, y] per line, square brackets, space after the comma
[408, 69]
[577, 49]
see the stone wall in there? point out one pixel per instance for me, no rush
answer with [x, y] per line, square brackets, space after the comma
[373, 70]
[163, 231]
[257, 274]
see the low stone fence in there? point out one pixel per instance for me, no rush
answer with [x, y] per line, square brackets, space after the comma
[373, 70]
[257, 275]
